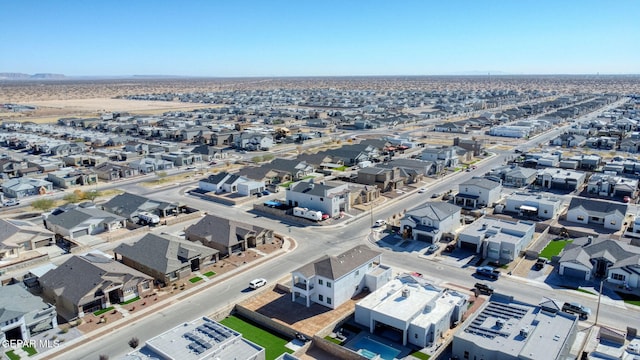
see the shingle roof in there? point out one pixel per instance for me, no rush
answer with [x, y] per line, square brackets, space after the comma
[220, 230]
[16, 301]
[599, 208]
[436, 210]
[334, 267]
[163, 253]
[482, 183]
[81, 276]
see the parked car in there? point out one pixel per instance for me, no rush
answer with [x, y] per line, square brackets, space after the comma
[257, 283]
[483, 288]
[539, 264]
[432, 248]
[583, 312]
[435, 195]
[422, 191]
[11, 202]
[265, 192]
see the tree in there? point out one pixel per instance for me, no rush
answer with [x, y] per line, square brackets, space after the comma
[134, 342]
[256, 159]
[72, 197]
[268, 157]
[43, 204]
[92, 195]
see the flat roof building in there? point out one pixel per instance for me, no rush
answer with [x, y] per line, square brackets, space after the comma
[200, 339]
[418, 311]
[507, 329]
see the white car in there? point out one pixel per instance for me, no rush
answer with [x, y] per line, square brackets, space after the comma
[11, 202]
[422, 191]
[380, 222]
[257, 283]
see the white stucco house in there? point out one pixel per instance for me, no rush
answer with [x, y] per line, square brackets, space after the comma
[608, 214]
[536, 205]
[477, 192]
[496, 239]
[430, 221]
[420, 311]
[329, 198]
[331, 280]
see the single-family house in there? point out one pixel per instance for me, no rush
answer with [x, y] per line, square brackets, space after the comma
[23, 315]
[226, 235]
[514, 175]
[331, 280]
[608, 185]
[23, 187]
[164, 257]
[533, 205]
[386, 179]
[109, 171]
[73, 221]
[130, 205]
[445, 155]
[422, 312]
[590, 258]
[87, 283]
[499, 240]
[71, 177]
[17, 236]
[224, 182]
[477, 192]
[148, 165]
[561, 179]
[330, 198]
[608, 214]
[430, 221]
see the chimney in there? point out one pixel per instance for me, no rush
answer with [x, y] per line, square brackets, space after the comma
[484, 226]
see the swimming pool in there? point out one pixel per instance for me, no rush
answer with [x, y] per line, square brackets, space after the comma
[370, 348]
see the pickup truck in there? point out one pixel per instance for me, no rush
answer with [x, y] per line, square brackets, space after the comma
[488, 271]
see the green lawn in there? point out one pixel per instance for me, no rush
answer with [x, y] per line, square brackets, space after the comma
[12, 356]
[130, 300]
[340, 168]
[333, 340]
[419, 355]
[209, 273]
[195, 279]
[629, 298]
[102, 311]
[286, 184]
[274, 345]
[586, 291]
[554, 248]
[30, 350]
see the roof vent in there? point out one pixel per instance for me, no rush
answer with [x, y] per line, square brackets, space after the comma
[484, 226]
[405, 293]
[500, 323]
[524, 332]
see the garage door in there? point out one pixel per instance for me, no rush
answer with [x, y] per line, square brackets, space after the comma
[468, 246]
[80, 233]
[425, 238]
[574, 273]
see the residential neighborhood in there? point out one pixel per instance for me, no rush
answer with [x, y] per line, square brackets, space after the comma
[345, 224]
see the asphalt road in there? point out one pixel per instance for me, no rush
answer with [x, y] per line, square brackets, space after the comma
[333, 240]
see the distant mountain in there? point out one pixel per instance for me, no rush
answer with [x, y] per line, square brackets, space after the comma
[21, 76]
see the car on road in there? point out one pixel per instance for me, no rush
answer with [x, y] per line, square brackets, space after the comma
[435, 195]
[257, 283]
[11, 202]
[582, 311]
[266, 192]
[422, 191]
[432, 248]
[484, 288]
[380, 222]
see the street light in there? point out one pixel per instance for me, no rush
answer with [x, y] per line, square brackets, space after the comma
[599, 297]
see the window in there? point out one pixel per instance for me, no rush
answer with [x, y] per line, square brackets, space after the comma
[613, 222]
[618, 277]
[321, 199]
[320, 282]
[466, 354]
[328, 284]
[328, 300]
[545, 211]
[357, 272]
[321, 297]
[580, 218]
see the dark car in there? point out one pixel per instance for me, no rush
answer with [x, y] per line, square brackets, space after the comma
[539, 264]
[266, 192]
[483, 288]
[583, 312]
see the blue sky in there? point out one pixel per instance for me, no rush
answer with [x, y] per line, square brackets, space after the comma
[319, 38]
